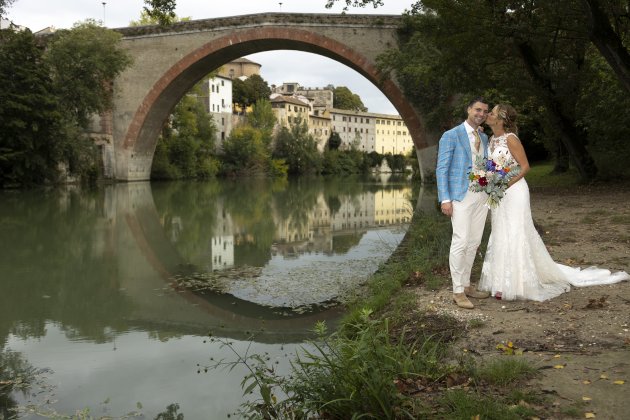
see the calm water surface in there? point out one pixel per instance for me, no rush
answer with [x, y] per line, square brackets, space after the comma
[103, 305]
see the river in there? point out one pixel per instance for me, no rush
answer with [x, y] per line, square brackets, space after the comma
[108, 296]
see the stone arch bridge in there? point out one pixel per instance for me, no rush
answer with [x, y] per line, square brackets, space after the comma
[168, 61]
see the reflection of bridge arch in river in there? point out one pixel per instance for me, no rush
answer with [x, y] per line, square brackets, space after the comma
[143, 238]
[150, 260]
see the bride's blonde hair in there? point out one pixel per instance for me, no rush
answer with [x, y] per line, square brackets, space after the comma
[508, 115]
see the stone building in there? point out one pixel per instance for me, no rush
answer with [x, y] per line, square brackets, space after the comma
[355, 128]
[216, 98]
[391, 135]
[241, 67]
[288, 110]
[320, 98]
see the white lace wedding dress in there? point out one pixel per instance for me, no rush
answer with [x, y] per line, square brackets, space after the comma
[517, 263]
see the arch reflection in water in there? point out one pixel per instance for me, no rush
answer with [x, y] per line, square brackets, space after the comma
[292, 248]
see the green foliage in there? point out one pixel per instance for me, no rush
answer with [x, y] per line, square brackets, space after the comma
[146, 19]
[504, 371]
[244, 152]
[341, 377]
[298, 148]
[84, 61]
[47, 100]
[343, 98]
[462, 405]
[334, 141]
[263, 119]
[4, 5]
[32, 126]
[247, 92]
[532, 56]
[541, 175]
[162, 11]
[602, 108]
[338, 162]
[397, 163]
[186, 146]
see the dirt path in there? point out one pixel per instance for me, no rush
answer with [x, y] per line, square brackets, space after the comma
[581, 337]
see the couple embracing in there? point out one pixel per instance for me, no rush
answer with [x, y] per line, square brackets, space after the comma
[517, 264]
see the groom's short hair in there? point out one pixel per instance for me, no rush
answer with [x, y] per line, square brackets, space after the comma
[475, 100]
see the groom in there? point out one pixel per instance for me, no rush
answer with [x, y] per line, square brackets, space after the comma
[457, 151]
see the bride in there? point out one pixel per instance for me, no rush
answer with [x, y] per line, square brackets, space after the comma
[517, 264]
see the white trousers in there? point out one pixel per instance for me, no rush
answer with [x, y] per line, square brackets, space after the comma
[468, 220]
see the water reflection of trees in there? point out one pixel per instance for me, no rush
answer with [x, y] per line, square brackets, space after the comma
[296, 202]
[258, 214]
[59, 244]
[188, 213]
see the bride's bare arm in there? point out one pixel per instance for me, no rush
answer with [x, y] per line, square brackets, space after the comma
[518, 152]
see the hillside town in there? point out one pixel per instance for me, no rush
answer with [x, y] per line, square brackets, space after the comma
[366, 131]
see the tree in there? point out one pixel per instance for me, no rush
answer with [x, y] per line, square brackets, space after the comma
[84, 61]
[162, 11]
[246, 92]
[245, 151]
[609, 40]
[146, 19]
[186, 147]
[32, 135]
[334, 141]
[263, 119]
[533, 61]
[343, 98]
[298, 148]
[4, 5]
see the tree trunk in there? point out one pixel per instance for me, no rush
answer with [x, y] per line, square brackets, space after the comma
[608, 42]
[570, 136]
[562, 159]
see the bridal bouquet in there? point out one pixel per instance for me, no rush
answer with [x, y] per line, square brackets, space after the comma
[492, 177]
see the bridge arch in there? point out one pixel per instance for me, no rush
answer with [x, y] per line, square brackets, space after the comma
[138, 117]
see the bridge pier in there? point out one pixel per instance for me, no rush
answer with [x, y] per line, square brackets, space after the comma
[131, 165]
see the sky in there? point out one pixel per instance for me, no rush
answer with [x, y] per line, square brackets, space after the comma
[309, 70]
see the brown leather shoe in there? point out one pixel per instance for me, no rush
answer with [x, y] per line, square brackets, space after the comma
[474, 293]
[462, 301]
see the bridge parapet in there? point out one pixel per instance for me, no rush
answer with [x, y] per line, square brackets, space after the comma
[265, 19]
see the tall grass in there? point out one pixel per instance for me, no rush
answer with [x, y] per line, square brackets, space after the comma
[422, 255]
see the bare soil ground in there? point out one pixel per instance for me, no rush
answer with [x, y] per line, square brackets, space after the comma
[581, 339]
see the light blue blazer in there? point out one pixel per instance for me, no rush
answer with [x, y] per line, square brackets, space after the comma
[454, 163]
